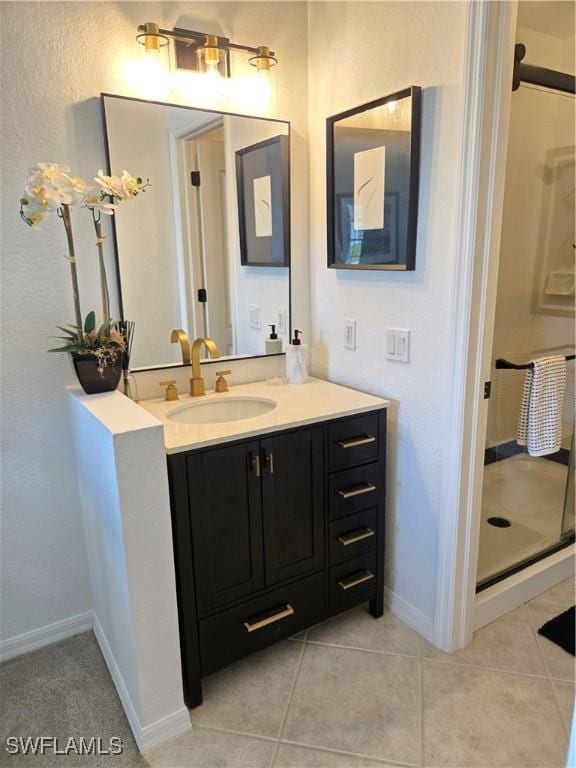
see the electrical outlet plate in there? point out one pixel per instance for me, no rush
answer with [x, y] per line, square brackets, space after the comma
[350, 334]
[255, 316]
[397, 345]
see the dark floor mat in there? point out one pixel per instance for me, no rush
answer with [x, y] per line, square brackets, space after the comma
[561, 630]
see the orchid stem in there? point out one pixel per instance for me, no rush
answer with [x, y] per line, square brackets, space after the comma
[73, 271]
[102, 266]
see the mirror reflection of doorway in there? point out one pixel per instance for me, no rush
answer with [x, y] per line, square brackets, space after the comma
[205, 247]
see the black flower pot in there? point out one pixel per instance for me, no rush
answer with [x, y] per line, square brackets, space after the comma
[93, 382]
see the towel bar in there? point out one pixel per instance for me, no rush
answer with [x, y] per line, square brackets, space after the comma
[501, 363]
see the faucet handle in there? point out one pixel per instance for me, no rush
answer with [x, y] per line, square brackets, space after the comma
[221, 383]
[171, 392]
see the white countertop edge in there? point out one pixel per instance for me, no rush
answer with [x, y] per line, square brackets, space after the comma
[266, 430]
[116, 412]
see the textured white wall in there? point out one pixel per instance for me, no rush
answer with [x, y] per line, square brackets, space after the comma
[386, 47]
[51, 112]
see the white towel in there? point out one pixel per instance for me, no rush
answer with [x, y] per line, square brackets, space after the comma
[540, 422]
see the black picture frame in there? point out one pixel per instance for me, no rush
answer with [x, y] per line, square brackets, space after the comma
[265, 158]
[393, 247]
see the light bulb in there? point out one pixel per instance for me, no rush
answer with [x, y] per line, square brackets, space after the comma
[211, 54]
[148, 76]
[212, 67]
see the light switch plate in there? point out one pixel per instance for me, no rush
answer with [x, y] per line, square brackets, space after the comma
[255, 316]
[282, 321]
[350, 334]
[397, 345]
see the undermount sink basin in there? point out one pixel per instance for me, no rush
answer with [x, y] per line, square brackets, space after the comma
[219, 411]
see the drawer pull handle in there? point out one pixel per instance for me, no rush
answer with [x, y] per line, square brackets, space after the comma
[255, 464]
[283, 614]
[357, 441]
[269, 461]
[355, 536]
[354, 581]
[366, 488]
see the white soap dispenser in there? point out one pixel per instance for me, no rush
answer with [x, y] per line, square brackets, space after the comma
[297, 361]
[273, 344]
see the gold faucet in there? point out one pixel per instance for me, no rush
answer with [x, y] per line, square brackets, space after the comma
[178, 335]
[197, 382]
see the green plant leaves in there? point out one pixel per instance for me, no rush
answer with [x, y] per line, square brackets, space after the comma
[90, 322]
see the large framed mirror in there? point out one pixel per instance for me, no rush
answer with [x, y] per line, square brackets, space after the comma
[204, 250]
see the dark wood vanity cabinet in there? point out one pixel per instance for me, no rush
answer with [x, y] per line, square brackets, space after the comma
[274, 534]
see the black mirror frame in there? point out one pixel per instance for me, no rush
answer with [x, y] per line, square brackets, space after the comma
[414, 92]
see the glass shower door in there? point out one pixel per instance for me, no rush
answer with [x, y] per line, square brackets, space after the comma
[568, 517]
[528, 502]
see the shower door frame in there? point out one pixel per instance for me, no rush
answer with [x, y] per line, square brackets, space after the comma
[489, 66]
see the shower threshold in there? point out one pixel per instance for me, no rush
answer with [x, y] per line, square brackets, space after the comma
[517, 567]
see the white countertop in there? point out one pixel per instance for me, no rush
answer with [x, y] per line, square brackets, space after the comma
[297, 405]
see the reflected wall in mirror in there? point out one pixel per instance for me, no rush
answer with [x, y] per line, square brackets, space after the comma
[372, 161]
[178, 252]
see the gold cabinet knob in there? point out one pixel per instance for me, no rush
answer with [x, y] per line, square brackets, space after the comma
[171, 392]
[221, 383]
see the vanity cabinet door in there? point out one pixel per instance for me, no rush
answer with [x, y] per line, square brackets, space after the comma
[292, 494]
[226, 520]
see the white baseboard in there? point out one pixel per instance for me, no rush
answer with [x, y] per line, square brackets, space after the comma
[47, 635]
[149, 736]
[512, 592]
[169, 727]
[410, 615]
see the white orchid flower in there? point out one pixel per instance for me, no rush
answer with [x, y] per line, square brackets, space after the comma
[32, 211]
[52, 186]
[120, 188]
[94, 201]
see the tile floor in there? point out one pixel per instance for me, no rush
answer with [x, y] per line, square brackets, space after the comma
[353, 692]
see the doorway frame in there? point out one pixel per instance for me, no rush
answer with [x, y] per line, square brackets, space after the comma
[488, 75]
[489, 68]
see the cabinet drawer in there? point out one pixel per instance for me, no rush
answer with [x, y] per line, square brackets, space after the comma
[355, 489]
[257, 623]
[353, 582]
[353, 535]
[353, 441]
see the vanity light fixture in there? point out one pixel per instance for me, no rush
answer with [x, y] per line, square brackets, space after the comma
[202, 52]
[150, 37]
[264, 59]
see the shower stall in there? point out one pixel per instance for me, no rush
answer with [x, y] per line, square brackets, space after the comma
[528, 502]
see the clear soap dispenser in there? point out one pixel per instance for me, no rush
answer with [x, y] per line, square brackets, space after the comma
[297, 360]
[273, 344]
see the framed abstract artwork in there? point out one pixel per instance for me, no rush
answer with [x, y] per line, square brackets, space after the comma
[372, 162]
[263, 188]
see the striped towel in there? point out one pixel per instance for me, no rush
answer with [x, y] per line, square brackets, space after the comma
[540, 422]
